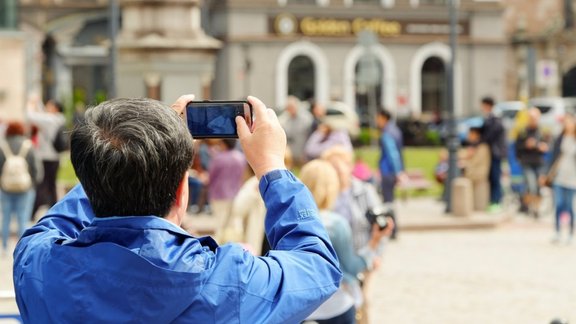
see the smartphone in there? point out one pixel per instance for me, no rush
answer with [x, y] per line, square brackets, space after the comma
[216, 119]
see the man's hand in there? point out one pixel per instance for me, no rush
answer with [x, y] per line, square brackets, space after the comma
[531, 143]
[543, 147]
[181, 103]
[264, 145]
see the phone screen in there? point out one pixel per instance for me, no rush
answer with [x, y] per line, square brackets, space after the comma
[216, 119]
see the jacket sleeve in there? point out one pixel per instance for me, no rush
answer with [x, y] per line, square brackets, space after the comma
[393, 152]
[301, 271]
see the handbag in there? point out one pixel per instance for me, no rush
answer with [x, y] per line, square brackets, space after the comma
[552, 172]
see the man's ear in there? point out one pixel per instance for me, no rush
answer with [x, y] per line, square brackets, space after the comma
[182, 192]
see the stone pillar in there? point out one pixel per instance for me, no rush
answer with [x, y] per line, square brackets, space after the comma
[13, 84]
[163, 51]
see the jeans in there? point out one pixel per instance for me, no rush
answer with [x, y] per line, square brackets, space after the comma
[16, 203]
[195, 188]
[563, 199]
[388, 183]
[531, 174]
[494, 178]
[349, 317]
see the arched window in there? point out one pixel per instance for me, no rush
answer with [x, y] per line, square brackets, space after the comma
[301, 77]
[569, 83]
[433, 86]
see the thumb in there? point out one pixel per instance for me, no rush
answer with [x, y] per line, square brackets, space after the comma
[242, 128]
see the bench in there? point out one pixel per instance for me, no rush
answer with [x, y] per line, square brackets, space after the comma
[416, 181]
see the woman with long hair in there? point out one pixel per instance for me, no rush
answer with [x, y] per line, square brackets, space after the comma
[563, 169]
[322, 180]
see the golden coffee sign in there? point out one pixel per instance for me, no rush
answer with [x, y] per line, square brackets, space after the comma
[288, 24]
[339, 27]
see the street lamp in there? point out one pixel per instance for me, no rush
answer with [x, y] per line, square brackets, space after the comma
[113, 30]
[453, 141]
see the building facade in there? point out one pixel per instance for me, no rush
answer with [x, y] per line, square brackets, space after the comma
[542, 38]
[313, 49]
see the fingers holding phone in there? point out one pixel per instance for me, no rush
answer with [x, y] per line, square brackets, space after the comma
[264, 143]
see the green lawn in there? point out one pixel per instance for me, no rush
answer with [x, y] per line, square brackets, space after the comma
[66, 173]
[424, 159]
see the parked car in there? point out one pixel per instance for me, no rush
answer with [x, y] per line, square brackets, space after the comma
[507, 111]
[553, 109]
[463, 125]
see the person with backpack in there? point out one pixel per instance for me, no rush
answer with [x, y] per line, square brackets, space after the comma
[52, 140]
[20, 172]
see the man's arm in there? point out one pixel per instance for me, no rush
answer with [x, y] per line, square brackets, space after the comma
[302, 270]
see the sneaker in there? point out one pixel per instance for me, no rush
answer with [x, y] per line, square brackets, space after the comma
[494, 208]
[556, 239]
[569, 240]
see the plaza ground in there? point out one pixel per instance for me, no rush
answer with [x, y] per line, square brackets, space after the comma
[508, 272]
[511, 274]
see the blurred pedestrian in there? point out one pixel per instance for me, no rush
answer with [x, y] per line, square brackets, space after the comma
[390, 164]
[318, 111]
[563, 172]
[476, 165]
[530, 149]
[328, 134]
[296, 122]
[21, 171]
[322, 180]
[49, 121]
[225, 174]
[494, 134]
[355, 199]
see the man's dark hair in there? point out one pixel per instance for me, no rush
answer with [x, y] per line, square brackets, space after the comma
[130, 156]
[488, 101]
[385, 113]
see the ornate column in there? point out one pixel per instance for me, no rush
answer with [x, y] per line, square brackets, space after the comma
[163, 51]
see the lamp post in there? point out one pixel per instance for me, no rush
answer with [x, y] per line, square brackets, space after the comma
[453, 141]
[113, 30]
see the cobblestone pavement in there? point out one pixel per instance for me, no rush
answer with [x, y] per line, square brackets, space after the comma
[512, 274]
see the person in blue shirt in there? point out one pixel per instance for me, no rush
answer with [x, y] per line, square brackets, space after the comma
[390, 164]
[112, 250]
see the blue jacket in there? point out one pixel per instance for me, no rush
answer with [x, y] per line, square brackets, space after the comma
[390, 163]
[74, 268]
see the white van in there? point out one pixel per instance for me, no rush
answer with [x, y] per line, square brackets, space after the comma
[553, 109]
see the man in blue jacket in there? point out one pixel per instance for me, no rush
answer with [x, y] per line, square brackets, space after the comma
[112, 250]
[390, 164]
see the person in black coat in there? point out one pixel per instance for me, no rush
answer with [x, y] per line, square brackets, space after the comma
[494, 134]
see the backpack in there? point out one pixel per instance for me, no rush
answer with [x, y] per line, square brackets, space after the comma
[61, 142]
[15, 177]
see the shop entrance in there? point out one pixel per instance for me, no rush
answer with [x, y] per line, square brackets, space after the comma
[569, 83]
[434, 87]
[302, 78]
